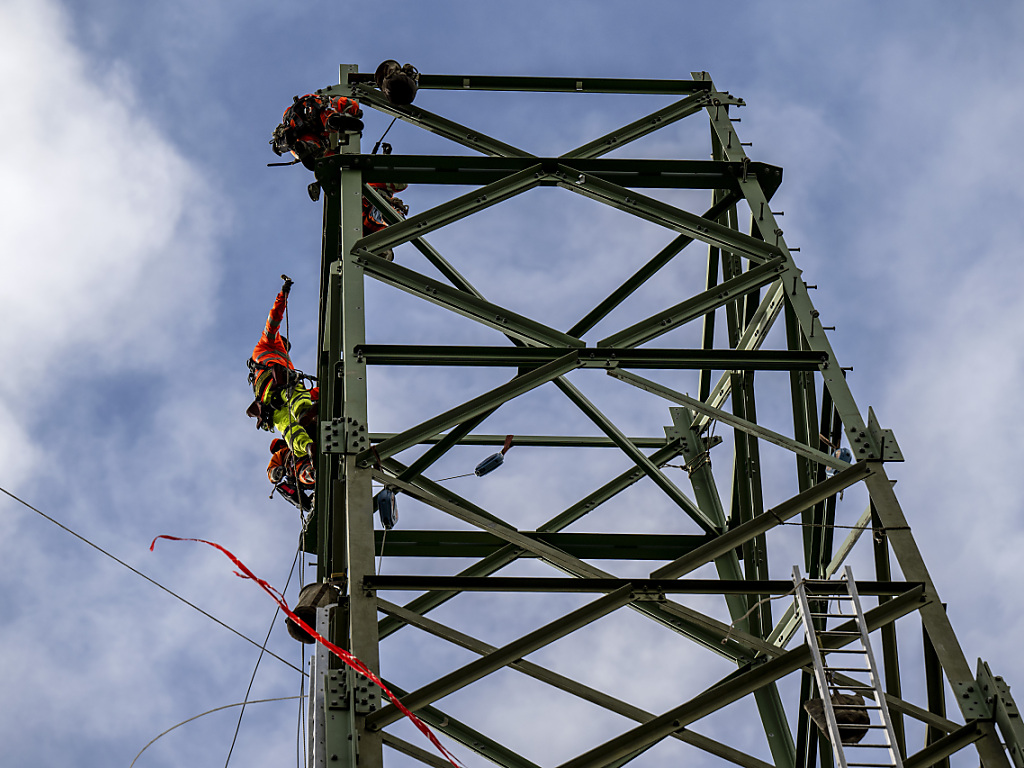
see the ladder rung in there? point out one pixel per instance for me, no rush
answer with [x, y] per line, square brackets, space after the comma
[852, 687]
[838, 632]
[844, 650]
[831, 615]
[869, 765]
[848, 669]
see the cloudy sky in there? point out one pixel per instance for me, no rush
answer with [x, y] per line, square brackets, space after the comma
[143, 235]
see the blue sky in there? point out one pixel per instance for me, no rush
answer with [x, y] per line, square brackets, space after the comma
[142, 238]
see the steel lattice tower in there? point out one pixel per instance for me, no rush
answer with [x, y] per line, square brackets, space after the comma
[752, 284]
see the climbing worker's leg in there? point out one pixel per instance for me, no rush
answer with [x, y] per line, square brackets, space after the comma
[298, 400]
[294, 435]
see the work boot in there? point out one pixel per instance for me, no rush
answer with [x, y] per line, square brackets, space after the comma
[344, 123]
[311, 597]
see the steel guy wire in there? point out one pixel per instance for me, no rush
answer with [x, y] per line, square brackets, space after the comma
[147, 578]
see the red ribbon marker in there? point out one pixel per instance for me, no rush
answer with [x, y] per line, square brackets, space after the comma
[341, 653]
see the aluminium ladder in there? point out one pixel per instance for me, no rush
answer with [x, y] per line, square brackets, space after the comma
[856, 672]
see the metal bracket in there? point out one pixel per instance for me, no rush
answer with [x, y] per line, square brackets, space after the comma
[367, 694]
[338, 694]
[884, 438]
[997, 695]
[332, 436]
[346, 687]
[343, 435]
[971, 699]
[653, 595]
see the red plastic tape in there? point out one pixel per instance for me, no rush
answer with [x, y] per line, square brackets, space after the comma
[243, 572]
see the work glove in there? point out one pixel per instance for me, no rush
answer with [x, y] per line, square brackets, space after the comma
[288, 282]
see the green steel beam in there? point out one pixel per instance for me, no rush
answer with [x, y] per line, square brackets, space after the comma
[586, 546]
[646, 272]
[933, 615]
[391, 216]
[668, 216]
[589, 357]
[466, 736]
[400, 745]
[510, 553]
[638, 128]
[537, 441]
[471, 171]
[422, 118]
[737, 586]
[737, 687]
[568, 685]
[554, 84]
[717, 414]
[713, 635]
[763, 523]
[696, 306]
[501, 657]
[439, 216]
[751, 340]
[637, 456]
[478, 405]
[940, 750]
[482, 311]
[995, 690]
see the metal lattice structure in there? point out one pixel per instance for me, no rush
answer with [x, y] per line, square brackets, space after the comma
[752, 286]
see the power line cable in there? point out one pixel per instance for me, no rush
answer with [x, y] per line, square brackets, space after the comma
[147, 578]
[203, 714]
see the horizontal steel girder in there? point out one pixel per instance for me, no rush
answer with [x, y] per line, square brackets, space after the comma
[479, 171]
[586, 546]
[554, 84]
[649, 586]
[538, 441]
[591, 357]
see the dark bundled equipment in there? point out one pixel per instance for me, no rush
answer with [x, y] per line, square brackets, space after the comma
[311, 597]
[851, 716]
[398, 83]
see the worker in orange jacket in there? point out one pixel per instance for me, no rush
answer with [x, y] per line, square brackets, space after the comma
[281, 399]
[305, 132]
[307, 124]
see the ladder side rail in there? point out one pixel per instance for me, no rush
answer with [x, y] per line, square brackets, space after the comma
[876, 682]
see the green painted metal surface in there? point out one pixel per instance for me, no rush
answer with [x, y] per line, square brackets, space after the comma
[752, 400]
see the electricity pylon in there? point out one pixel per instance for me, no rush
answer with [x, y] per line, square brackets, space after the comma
[750, 322]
